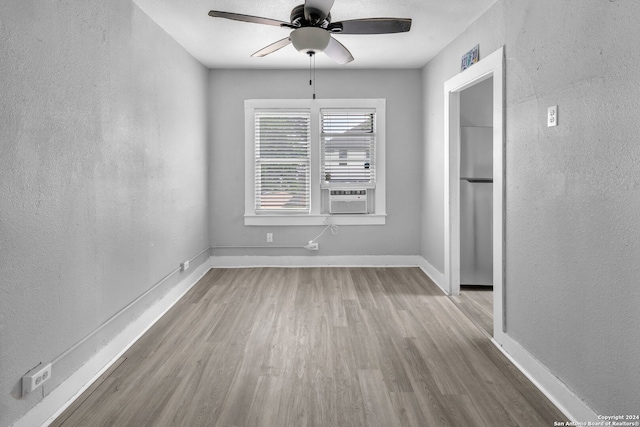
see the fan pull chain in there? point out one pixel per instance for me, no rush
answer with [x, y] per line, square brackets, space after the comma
[312, 71]
[310, 74]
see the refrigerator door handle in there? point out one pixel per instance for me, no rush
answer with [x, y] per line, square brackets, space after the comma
[478, 180]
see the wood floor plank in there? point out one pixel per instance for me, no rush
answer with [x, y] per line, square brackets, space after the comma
[363, 342]
[408, 409]
[313, 347]
[377, 400]
[476, 302]
[388, 353]
[436, 406]
[266, 402]
[347, 287]
[363, 288]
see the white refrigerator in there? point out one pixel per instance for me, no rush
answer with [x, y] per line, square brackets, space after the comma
[476, 202]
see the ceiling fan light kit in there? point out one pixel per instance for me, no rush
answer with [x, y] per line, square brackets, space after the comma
[310, 39]
[313, 29]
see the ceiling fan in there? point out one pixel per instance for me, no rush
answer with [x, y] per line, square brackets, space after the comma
[312, 29]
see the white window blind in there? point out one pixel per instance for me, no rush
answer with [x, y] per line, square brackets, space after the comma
[282, 161]
[348, 139]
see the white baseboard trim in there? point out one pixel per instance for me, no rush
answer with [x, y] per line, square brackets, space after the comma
[59, 399]
[316, 261]
[433, 273]
[574, 408]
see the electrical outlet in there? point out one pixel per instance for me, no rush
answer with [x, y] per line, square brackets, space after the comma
[35, 378]
[552, 116]
[269, 237]
[312, 246]
[184, 265]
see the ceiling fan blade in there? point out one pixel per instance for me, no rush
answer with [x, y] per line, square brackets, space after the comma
[273, 47]
[249, 18]
[371, 26]
[315, 11]
[337, 52]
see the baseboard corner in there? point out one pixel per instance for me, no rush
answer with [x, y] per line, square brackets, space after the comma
[436, 277]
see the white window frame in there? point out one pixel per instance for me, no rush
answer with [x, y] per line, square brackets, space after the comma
[315, 216]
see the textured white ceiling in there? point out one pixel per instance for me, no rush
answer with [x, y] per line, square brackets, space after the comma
[221, 43]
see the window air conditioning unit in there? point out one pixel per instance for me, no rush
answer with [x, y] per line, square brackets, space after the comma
[348, 201]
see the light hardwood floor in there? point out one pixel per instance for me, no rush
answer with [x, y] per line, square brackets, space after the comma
[476, 302]
[313, 347]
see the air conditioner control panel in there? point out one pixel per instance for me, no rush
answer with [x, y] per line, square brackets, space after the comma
[349, 193]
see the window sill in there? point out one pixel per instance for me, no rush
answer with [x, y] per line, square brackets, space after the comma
[294, 220]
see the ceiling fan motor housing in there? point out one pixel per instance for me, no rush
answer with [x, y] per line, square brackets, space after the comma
[310, 39]
[298, 19]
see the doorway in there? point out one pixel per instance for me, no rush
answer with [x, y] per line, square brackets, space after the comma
[488, 71]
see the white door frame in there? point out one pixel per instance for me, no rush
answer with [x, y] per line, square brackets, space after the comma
[491, 66]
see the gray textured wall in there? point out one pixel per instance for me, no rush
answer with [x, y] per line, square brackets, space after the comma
[103, 176]
[573, 192]
[401, 88]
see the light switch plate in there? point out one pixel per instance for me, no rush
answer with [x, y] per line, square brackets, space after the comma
[552, 116]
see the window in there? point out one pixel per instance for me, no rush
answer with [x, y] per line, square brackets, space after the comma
[282, 161]
[348, 148]
[296, 151]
